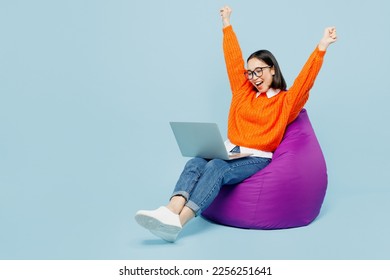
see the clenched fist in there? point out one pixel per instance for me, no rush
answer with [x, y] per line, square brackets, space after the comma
[225, 13]
[330, 36]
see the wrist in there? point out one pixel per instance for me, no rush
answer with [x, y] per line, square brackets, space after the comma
[225, 22]
[322, 46]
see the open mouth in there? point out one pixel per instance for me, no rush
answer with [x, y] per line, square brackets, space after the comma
[258, 84]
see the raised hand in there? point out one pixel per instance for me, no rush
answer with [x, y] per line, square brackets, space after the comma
[330, 36]
[225, 13]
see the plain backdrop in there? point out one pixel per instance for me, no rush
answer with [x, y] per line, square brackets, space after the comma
[87, 90]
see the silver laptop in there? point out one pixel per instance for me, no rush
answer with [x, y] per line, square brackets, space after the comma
[202, 140]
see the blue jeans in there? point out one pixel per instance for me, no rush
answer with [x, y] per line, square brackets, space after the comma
[202, 179]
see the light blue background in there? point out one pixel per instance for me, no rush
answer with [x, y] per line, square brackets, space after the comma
[87, 89]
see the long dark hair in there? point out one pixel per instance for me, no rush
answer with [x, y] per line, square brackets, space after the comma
[278, 81]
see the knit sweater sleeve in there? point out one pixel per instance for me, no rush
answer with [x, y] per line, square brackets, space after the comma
[298, 94]
[235, 64]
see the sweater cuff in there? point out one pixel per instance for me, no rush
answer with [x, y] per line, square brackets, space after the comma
[227, 28]
[320, 53]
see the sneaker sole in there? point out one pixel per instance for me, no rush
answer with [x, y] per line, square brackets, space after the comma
[154, 224]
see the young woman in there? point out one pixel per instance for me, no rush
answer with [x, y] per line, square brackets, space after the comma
[261, 108]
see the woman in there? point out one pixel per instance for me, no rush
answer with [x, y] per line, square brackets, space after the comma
[260, 111]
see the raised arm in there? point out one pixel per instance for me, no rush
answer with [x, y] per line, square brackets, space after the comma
[299, 91]
[235, 64]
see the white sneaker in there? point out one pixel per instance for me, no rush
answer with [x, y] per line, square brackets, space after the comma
[162, 222]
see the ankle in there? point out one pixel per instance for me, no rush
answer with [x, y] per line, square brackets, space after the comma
[186, 215]
[174, 209]
[176, 204]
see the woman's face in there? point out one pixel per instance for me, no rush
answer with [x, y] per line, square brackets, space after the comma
[260, 74]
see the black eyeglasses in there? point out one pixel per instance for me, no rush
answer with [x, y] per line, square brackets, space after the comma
[258, 72]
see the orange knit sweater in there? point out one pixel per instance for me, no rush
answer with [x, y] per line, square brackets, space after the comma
[260, 123]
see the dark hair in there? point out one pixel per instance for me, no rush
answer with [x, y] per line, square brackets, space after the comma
[268, 58]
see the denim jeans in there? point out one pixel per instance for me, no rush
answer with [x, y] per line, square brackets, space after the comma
[202, 179]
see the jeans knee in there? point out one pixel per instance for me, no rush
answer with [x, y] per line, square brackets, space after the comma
[216, 164]
[196, 163]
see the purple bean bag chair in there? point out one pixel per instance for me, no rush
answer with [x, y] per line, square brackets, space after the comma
[287, 193]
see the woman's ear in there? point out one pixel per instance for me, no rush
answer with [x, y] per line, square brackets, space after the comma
[273, 70]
